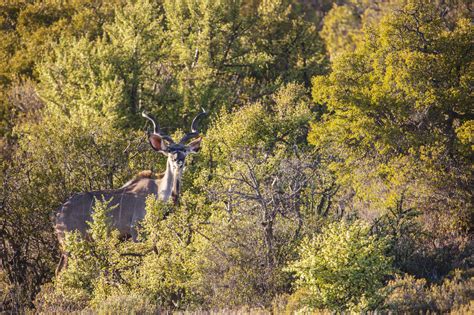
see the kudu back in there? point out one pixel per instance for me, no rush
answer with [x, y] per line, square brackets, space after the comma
[127, 203]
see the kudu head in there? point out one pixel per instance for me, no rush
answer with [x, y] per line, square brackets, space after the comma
[175, 151]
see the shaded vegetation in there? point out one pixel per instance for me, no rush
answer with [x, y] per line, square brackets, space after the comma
[335, 171]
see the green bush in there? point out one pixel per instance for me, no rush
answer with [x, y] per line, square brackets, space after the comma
[408, 294]
[127, 304]
[264, 194]
[92, 267]
[52, 300]
[104, 274]
[342, 268]
[389, 126]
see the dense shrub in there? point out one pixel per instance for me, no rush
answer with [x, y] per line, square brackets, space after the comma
[127, 304]
[342, 268]
[407, 294]
[265, 192]
[395, 113]
[103, 269]
[386, 138]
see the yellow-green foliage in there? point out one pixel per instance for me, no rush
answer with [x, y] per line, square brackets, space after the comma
[396, 116]
[168, 273]
[465, 133]
[260, 186]
[385, 98]
[104, 273]
[133, 303]
[341, 29]
[96, 73]
[272, 125]
[342, 268]
[92, 266]
[408, 294]
[385, 138]
[28, 29]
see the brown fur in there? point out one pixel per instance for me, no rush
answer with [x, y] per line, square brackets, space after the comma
[149, 174]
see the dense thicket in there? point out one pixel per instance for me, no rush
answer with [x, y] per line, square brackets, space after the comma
[335, 171]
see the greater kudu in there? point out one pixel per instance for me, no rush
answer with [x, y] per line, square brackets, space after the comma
[128, 202]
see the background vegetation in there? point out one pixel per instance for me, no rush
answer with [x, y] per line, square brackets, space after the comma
[335, 173]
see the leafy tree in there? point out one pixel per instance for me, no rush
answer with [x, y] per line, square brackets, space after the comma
[342, 268]
[394, 114]
[341, 29]
[76, 141]
[343, 25]
[106, 74]
[229, 54]
[266, 191]
[390, 143]
[28, 31]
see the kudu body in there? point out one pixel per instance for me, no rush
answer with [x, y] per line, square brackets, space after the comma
[128, 202]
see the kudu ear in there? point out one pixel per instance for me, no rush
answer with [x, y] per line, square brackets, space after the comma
[157, 143]
[195, 145]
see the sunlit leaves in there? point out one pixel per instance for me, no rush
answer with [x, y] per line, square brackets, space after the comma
[342, 268]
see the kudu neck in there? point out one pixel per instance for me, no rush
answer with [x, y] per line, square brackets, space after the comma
[170, 183]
